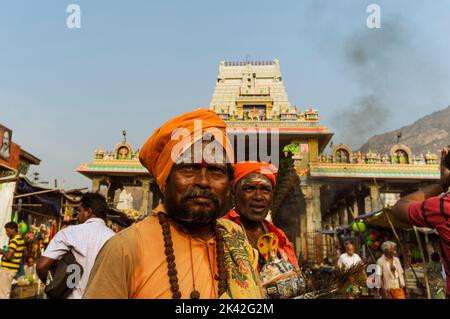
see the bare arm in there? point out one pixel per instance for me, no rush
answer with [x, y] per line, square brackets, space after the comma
[400, 210]
[43, 266]
[57, 247]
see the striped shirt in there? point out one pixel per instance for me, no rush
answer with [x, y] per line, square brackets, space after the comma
[435, 213]
[17, 245]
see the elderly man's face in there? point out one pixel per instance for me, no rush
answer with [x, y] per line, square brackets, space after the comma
[391, 251]
[196, 193]
[350, 249]
[253, 196]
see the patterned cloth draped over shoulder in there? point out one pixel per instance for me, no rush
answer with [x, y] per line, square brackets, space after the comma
[241, 261]
[285, 247]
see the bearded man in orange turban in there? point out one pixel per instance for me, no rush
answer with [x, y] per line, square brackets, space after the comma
[184, 249]
[253, 186]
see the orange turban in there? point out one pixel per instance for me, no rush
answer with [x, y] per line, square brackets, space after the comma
[157, 154]
[242, 169]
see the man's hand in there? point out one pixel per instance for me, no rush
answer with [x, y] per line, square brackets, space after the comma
[445, 172]
[7, 254]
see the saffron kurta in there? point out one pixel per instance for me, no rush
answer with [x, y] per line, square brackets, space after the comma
[133, 264]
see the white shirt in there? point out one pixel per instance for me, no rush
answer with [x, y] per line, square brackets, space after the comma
[347, 261]
[84, 241]
[392, 278]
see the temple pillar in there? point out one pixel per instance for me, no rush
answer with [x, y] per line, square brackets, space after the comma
[313, 221]
[353, 206]
[313, 212]
[96, 184]
[150, 197]
[336, 222]
[343, 214]
[375, 198]
[330, 221]
[353, 210]
[328, 245]
[349, 209]
[360, 202]
[156, 198]
[325, 221]
[110, 194]
[145, 196]
[302, 246]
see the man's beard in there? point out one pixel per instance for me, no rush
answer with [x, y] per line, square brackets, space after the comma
[182, 213]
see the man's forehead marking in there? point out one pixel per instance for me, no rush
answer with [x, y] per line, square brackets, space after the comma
[256, 178]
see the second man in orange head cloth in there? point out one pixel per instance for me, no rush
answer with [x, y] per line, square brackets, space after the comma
[182, 250]
[254, 186]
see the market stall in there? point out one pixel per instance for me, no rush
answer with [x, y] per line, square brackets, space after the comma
[382, 226]
[39, 212]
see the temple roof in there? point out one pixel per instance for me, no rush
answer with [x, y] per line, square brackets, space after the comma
[111, 167]
[243, 63]
[123, 161]
[399, 163]
[249, 81]
[369, 171]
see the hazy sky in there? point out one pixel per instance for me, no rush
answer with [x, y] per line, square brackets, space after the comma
[134, 64]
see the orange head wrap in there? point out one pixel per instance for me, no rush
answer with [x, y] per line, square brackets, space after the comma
[167, 143]
[242, 169]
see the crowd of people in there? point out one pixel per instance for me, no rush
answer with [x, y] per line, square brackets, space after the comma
[389, 270]
[194, 245]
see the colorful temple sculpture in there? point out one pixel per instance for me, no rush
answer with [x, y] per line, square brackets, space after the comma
[118, 169]
[315, 191]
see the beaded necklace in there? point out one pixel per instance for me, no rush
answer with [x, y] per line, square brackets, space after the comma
[171, 265]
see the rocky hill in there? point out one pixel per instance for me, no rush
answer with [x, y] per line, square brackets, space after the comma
[431, 132]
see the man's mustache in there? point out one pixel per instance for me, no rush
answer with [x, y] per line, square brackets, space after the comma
[200, 193]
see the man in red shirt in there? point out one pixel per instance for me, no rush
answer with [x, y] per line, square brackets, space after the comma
[253, 188]
[430, 207]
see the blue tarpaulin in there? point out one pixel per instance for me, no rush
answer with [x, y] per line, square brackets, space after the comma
[53, 202]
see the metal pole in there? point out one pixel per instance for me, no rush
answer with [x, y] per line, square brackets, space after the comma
[8, 180]
[17, 179]
[35, 193]
[28, 205]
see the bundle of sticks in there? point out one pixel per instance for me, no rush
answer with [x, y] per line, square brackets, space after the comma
[338, 286]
